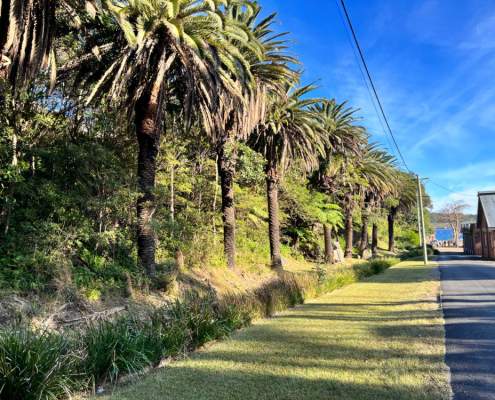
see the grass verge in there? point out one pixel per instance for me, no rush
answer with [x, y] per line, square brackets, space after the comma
[382, 338]
[105, 351]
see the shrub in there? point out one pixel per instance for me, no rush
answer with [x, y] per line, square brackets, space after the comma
[278, 294]
[418, 252]
[376, 266]
[191, 322]
[238, 311]
[36, 365]
[115, 348]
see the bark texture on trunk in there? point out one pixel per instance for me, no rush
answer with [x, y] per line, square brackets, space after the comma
[148, 142]
[272, 181]
[364, 239]
[148, 128]
[327, 234]
[348, 233]
[226, 171]
[391, 228]
[374, 240]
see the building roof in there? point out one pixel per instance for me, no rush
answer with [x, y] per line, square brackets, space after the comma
[487, 204]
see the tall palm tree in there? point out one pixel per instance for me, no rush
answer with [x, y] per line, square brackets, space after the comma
[269, 66]
[378, 170]
[344, 138]
[367, 171]
[165, 49]
[291, 131]
[403, 200]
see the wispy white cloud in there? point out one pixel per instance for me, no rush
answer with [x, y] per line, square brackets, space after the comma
[467, 195]
[469, 172]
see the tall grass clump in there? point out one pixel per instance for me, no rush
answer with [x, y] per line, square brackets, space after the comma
[119, 347]
[417, 252]
[37, 365]
[188, 323]
[279, 294]
[374, 266]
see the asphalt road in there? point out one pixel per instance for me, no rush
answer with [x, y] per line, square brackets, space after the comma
[468, 299]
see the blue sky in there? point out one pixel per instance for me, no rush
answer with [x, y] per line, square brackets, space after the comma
[433, 62]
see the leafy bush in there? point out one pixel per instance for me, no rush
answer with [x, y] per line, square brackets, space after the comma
[189, 323]
[377, 265]
[36, 365]
[238, 311]
[115, 348]
[407, 239]
[418, 252]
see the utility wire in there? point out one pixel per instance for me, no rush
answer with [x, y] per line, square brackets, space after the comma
[378, 101]
[361, 55]
[363, 77]
[452, 191]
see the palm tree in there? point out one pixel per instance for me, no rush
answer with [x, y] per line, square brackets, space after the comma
[166, 49]
[343, 138]
[291, 131]
[269, 66]
[404, 199]
[353, 176]
[374, 239]
[26, 32]
[378, 170]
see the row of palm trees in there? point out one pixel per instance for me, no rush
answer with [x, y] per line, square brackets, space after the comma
[223, 71]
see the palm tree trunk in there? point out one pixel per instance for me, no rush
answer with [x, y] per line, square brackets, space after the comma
[148, 129]
[364, 233]
[272, 180]
[226, 170]
[148, 141]
[327, 233]
[348, 233]
[374, 240]
[391, 228]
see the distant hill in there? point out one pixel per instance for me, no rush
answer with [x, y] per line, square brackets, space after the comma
[439, 219]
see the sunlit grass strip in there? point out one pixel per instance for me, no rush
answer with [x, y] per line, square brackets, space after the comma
[382, 338]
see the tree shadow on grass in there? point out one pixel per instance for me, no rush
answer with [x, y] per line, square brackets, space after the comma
[338, 351]
[337, 312]
[194, 383]
[276, 361]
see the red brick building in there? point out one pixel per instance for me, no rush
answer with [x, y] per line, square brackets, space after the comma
[479, 238]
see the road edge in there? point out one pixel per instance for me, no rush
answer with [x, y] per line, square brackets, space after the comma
[438, 272]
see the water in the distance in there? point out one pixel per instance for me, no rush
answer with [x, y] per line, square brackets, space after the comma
[444, 234]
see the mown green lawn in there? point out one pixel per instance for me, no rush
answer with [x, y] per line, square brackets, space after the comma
[379, 339]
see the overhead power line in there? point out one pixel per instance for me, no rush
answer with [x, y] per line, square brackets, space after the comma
[365, 80]
[377, 97]
[452, 191]
[373, 87]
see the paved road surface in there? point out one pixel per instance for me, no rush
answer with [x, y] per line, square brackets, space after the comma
[468, 298]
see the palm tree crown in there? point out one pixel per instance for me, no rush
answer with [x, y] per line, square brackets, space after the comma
[291, 131]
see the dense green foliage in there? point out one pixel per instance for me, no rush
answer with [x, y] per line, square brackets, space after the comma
[70, 175]
[37, 365]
